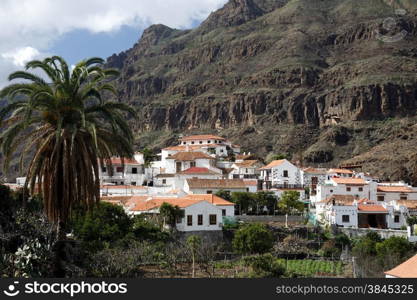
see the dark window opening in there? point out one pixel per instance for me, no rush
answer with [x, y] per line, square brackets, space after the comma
[213, 219]
[345, 219]
[190, 220]
[200, 220]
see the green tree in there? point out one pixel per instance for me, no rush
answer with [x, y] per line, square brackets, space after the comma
[267, 199]
[243, 200]
[224, 194]
[393, 250]
[274, 156]
[193, 243]
[68, 127]
[289, 202]
[252, 239]
[170, 214]
[101, 227]
[148, 156]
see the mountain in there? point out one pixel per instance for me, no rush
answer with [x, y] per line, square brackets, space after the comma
[328, 81]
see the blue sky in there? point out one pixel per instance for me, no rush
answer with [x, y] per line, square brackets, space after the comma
[77, 29]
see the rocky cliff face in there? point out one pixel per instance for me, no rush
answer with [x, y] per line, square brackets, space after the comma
[279, 76]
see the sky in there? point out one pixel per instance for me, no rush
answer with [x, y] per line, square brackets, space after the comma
[78, 29]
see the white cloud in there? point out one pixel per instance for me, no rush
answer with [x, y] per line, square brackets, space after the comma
[21, 56]
[29, 27]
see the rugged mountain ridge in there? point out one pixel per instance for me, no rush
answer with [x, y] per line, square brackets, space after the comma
[291, 76]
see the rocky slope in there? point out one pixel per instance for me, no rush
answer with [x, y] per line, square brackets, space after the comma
[323, 80]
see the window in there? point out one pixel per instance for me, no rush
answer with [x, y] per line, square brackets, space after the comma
[345, 219]
[178, 166]
[201, 142]
[397, 219]
[164, 181]
[403, 197]
[381, 198]
[361, 189]
[223, 212]
[184, 143]
[348, 189]
[285, 173]
[133, 183]
[209, 192]
[134, 170]
[208, 142]
[179, 220]
[192, 143]
[192, 164]
[331, 191]
[104, 169]
[119, 169]
[221, 150]
[200, 220]
[189, 220]
[246, 170]
[213, 219]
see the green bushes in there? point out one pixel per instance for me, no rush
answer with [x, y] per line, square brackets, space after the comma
[264, 266]
[253, 239]
[311, 268]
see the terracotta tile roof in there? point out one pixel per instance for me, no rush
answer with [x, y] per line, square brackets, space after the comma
[216, 183]
[192, 147]
[410, 204]
[407, 269]
[213, 199]
[122, 199]
[349, 181]
[346, 200]
[157, 202]
[341, 171]
[315, 171]
[165, 175]
[123, 187]
[372, 208]
[197, 170]
[118, 161]
[247, 163]
[394, 189]
[188, 156]
[202, 137]
[244, 156]
[274, 163]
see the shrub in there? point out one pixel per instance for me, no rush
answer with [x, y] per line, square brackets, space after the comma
[265, 265]
[253, 239]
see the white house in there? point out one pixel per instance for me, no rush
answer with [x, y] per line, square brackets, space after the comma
[122, 172]
[212, 144]
[339, 173]
[212, 186]
[177, 180]
[356, 187]
[312, 177]
[387, 192]
[281, 173]
[246, 169]
[201, 212]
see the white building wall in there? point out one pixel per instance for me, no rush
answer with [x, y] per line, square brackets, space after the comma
[201, 208]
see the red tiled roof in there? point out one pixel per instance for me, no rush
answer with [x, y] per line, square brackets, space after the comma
[314, 171]
[213, 199]
[394, 189]
[157, 202]
[251, 182]
[216, 183]
[410, 204]
[274, 163]
[346, 200]
[127, 161]
[188, 156]
[123, 187]
[371, 208]
[191, 147]
[197, 170]
[349, 181]
[341, 171]
[202, 137]
[407, 269]
[247, 163]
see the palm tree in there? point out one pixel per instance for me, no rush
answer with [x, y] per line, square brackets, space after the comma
[68, 130]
